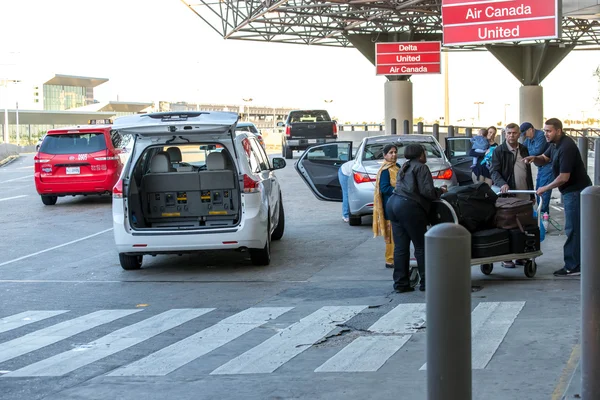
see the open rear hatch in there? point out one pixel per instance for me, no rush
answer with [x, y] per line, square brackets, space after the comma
[185, 177]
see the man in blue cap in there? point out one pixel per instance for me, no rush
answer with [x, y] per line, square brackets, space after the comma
[536, 144]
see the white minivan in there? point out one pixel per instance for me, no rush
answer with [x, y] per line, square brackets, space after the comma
[193, 184]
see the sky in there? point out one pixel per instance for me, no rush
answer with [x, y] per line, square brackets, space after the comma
[153, 50]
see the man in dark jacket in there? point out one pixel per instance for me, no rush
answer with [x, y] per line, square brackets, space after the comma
[509, 171]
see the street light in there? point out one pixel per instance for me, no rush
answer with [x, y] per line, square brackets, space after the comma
[478, 103]
[5, 82]
[248, 100]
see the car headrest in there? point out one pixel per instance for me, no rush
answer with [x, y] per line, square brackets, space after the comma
[174, 154]
[215, 161]
[160, 163]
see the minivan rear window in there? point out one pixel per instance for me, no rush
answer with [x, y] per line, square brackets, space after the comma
[74, 143]
[374, 151]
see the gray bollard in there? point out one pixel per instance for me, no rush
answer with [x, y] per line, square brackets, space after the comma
[436, 132]
[406, 127]
[582, 143]
[590, 293]
[450, 131]
[420, 128]
[394, 127]
[448, 280]
[597, 162]
[469, 132]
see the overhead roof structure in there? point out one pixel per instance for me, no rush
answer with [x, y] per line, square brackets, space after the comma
[72, 80]
[333, 22]
[115, 106]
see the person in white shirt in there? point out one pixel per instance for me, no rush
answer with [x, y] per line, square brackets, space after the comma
[344, 174]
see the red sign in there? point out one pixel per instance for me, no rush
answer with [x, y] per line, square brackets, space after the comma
[407, 58]
[489, 21]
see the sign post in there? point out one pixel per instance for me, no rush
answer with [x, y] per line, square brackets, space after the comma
[408, 58]
[497, 21]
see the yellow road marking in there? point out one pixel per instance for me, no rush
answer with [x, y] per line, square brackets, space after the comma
[565, 377]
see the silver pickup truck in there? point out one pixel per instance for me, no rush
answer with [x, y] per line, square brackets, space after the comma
[304, 128]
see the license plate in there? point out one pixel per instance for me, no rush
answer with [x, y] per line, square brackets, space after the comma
[73, 171]
[310, 141]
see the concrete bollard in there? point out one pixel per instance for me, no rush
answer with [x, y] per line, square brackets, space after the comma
[420, 128]
[406, 127]
[448, 281]
[469, 132]
[582, 143]
[597, 162]
[450, 131]
[436, 132]
[394, 127]
[590, 293]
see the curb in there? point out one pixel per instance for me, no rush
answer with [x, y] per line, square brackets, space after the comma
[8, 160]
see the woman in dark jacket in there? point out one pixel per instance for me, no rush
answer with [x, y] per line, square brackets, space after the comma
[407, 209]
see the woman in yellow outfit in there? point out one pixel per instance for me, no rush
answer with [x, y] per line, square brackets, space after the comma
[384, 187]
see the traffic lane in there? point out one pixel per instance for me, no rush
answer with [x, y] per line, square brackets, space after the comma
[315, 237]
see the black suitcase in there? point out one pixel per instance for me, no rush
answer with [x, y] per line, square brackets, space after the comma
[525, 242]
[490, 243]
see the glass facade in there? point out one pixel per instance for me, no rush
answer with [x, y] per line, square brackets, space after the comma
[60, 98]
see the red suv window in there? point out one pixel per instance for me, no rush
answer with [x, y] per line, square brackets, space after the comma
[74, 143]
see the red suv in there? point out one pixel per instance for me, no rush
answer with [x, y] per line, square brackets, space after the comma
[79, 160]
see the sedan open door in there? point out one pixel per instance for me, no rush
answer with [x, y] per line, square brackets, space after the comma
[457, 151]
[318, 166]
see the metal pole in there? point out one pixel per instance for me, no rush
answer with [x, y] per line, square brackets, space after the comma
[448, 277]
[583, 149]
[17, 115]
[436, 132]
[450, 131]
[406, 127]
[597, 162]
[590, 293]
[420, 128]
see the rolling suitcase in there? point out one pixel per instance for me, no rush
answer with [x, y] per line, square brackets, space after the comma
[490, 243]
[526, 240]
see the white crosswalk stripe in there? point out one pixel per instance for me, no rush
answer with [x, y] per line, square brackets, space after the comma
[287, 344]
[53, 334]
[25, 318]
[178, 354]
[369, 351]
[110, 344]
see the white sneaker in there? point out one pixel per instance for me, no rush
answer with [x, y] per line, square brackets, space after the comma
[345, 219]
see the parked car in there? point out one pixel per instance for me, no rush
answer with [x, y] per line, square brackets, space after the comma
[79, 160]
[194, 183]
[304, 128]
[318, 166]
[39, 143]
[251, 128]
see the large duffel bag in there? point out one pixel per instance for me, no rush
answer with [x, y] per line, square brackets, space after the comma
[525, 240]
[509, 210]
[475, 205]
[490, 243]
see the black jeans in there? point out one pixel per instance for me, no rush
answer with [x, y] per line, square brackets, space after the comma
[409, 224]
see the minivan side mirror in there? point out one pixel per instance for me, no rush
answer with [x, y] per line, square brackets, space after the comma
[280, 124]
[278, 163]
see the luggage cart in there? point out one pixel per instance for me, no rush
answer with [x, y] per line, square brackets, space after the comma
[444, 212]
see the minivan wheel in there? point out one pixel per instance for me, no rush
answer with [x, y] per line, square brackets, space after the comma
[278, 232]
[130, 262]
[263, 256]
[355, 220]
[49, 200]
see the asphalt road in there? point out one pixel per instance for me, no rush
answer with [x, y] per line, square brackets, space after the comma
[321, 322]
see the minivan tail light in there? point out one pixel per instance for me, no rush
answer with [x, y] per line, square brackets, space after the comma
[250, 185]
[288, 130]
[41, 161]
[117, 192]
[445, 174]
[360, 177]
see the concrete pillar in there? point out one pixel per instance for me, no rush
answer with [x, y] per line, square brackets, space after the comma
[531, 105]
[398, 98]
